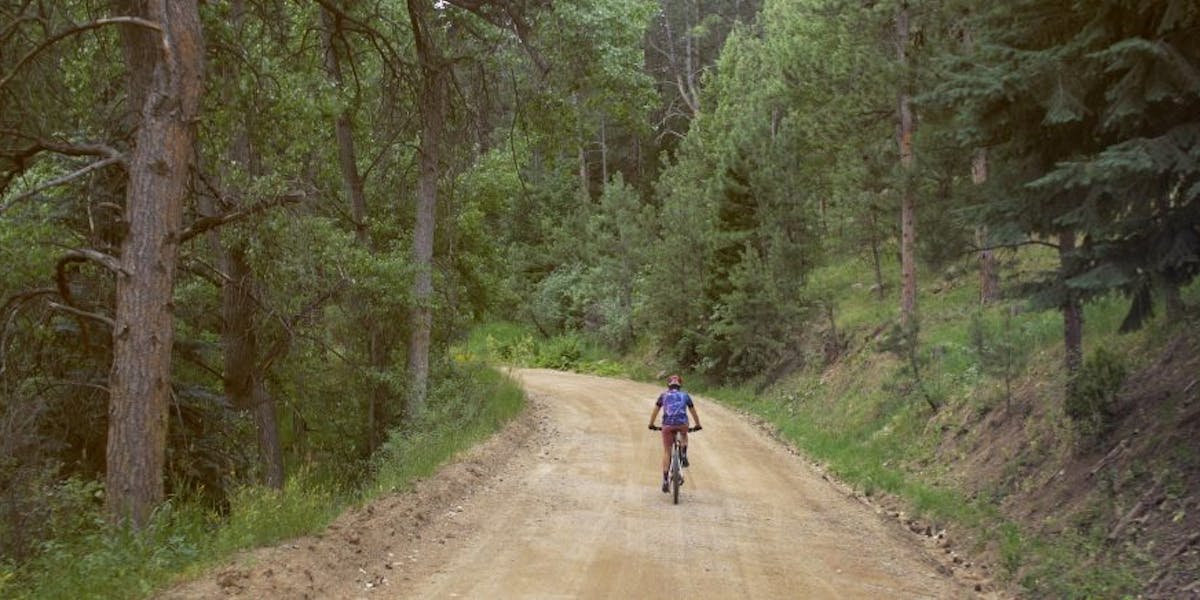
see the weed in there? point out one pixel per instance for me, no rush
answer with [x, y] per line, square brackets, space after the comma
[1012, 550]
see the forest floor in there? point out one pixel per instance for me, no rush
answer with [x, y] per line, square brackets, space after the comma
[565, 502]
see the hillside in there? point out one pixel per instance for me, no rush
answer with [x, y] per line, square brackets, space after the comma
[1054, 505]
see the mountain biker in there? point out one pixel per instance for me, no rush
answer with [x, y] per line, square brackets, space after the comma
[674, 404]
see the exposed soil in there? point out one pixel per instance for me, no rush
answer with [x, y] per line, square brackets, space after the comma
[1134, 491]
[565, 503]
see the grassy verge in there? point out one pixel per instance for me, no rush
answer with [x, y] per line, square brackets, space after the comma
[93, 560]
[866, 419]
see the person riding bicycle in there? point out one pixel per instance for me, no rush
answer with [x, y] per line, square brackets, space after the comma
[674, 404]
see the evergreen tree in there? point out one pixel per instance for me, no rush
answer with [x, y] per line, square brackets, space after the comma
[1094, 109]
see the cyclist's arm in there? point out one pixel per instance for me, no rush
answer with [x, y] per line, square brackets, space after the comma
[695, 417]
[654, 415]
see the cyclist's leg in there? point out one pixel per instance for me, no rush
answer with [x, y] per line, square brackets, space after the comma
[668, 439]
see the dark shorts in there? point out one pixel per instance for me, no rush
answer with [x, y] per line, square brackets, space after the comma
[668, 435]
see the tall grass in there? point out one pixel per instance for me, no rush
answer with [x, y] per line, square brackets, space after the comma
[417, 451]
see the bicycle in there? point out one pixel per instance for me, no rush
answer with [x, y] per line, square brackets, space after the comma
[675, 473]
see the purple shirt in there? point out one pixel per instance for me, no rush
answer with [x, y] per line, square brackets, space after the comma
[674, 404]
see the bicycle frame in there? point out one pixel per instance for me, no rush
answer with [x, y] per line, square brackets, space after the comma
[676, 470]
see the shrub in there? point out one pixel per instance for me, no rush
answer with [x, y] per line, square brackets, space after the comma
[562, 352]
[1092, 392]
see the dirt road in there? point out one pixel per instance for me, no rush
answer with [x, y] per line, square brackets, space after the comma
[566, 504]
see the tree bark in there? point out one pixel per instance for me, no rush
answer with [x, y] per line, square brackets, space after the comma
[908, 213]
[603, 151]
[989, 278]
[433, 108]
[1071, 310]
[347, 158]
[875, 258]
[377, 349]
[245, 376]
[584, 175]
[165, 83]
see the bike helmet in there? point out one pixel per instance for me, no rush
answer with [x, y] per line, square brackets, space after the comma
[674, 381]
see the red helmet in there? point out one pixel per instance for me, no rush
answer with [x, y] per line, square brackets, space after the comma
[674, 381]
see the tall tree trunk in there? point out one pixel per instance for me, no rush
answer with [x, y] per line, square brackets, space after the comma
[584, 193]
[344, 134]
[270, 449]
[1071, 310]
[433, 108]
[584, 175]
[908, 212]
[989, 278]
[603, 150]
[875, 257]
[244, 376]
[166, 76]
[377, 348]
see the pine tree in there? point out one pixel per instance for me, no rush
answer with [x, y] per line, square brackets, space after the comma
[1094, 109]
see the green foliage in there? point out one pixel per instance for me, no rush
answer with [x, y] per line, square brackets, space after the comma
[903, 341]
[87, 558]
[261, 516]
[562, 352]
[1092, 392]
[463, 410]
[1097, 128]
[998, 348]
[1012, 548]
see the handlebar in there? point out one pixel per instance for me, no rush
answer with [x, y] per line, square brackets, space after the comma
[690, 429]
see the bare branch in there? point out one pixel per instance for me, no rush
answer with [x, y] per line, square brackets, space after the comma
[13, 304]
[280, 349]
[1030, 242]
[21, 297]
[50, 41]
[82, 313]
[100, 164]
[85, 254]
[513, 19]
[204, 224]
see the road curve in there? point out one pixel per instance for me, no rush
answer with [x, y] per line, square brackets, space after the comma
[583, 516]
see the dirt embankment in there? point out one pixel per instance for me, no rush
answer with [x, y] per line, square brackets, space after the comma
[1133, 492]
[565, 503]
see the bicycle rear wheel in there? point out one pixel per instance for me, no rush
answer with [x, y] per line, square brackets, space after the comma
[676, 476]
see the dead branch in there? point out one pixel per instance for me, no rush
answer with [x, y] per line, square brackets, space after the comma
[100, 164]
[1112, 455]
[13, 303]
[39, 144]
[77, 256]
[512, 19]
[204, 224]
[54, 39]
[82, 313]
[280, 349]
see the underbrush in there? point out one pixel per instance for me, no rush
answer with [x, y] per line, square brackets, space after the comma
[447, 429]
[514, 345]
[95, 560]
